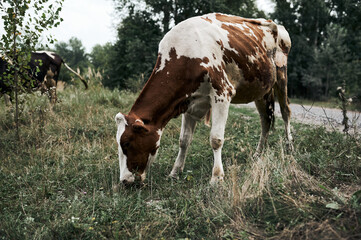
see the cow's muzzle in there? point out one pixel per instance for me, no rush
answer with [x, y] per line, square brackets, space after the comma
[134, 180]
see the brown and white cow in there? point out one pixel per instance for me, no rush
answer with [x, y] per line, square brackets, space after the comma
[205, 62]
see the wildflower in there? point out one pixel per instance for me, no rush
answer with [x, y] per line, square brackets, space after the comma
[91, 228]
[29, 220]
[73, 219]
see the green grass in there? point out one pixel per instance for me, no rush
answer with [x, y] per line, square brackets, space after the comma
[60, 181]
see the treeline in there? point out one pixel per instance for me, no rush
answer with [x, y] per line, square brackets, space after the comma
[326, 43]
[326, 39]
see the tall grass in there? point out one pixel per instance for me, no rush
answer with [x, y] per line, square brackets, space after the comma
[60, 181]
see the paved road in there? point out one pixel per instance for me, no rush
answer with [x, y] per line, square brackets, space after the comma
[329, 117]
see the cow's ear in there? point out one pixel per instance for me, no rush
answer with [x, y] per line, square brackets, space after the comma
[120, 119]
[138, 126]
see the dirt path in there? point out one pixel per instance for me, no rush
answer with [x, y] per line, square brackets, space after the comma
[329, 117]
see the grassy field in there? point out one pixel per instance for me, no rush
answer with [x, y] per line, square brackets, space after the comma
[60, 181]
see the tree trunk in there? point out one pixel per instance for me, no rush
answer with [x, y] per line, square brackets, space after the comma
[16, 76]
[166, 19]
[327, 87]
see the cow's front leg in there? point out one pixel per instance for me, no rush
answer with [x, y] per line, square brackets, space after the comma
[186, 135]
[219, 119]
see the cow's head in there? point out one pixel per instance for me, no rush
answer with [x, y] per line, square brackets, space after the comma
[137, 146]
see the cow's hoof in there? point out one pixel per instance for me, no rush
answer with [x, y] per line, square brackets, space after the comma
[216, 180]
[289, 147]
[174, 176]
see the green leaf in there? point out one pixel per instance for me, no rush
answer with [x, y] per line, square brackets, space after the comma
[333, 205]
[356, 198]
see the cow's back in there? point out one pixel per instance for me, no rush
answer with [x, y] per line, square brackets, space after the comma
[238, 54]
[45, 61]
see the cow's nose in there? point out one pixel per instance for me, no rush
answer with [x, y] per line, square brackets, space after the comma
[137, 181]
[126, 182]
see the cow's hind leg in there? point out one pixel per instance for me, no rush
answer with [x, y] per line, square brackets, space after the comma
[281, 93]
[219, 119]
[265, 107]
[186, 135]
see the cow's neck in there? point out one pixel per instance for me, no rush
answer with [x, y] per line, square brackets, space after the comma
[166, 93]
[159, 103]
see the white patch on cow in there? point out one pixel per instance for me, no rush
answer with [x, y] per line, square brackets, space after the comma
[50, 54]
[160, 132]
[281, 59]
[251, 58]
[268, 40]
[285, 41]
[138, 120]
[195, 38]
[283, 36]
[125, 174]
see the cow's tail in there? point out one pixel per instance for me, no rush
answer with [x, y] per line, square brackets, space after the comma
[77, 74]
[270, 108]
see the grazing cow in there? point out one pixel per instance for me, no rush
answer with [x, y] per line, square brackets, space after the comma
[44, 69]
[205, 62]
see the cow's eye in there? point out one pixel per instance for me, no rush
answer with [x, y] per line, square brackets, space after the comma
[125, 147]
[146, 121]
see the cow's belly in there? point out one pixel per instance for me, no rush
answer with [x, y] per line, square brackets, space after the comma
[250, 93]
[251, 88]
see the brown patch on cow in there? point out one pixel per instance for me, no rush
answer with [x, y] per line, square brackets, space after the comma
[216, 143]
[165, 94]
[258, 77]
[273, 29]
[220, 43]
[218, 80]
[253, 79]
[217, 172]
[235, 19]
[284, 47]
[207, 19]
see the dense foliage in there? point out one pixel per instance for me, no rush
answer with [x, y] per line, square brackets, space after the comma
[325, 36]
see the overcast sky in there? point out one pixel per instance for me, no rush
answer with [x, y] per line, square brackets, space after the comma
[93, 21]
